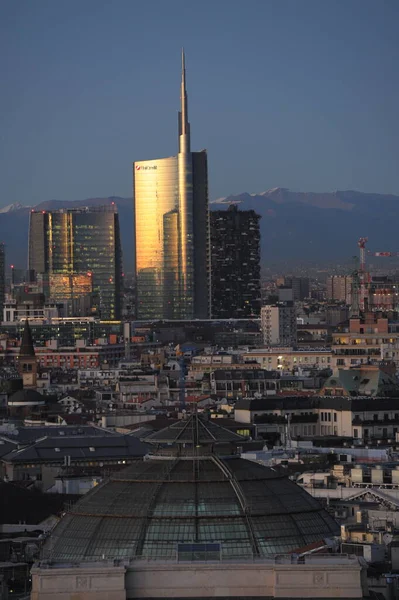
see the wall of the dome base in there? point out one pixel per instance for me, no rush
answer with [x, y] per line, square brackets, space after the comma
[318, 578]
[328, 576]
[103, 581]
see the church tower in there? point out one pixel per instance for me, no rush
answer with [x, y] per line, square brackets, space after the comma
[26, 362]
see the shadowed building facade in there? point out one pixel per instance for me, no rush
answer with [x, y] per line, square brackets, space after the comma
[2, 277]
[235, 260]
[172, 230]
[79, 250]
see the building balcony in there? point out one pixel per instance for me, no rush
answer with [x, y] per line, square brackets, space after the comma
[374, 423]
[281, 420]
[357, 352]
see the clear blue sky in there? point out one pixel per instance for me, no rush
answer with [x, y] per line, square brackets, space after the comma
[296, 93]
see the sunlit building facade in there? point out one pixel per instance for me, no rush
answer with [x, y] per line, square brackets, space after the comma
[80, 251]
[69, 286]
[172, 230]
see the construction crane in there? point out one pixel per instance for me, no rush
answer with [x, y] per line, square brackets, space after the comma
[383, 254]
[362, 276]
[363, 252]
[355, 309]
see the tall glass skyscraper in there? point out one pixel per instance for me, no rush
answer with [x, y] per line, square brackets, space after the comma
[172, 230]
[79, 244]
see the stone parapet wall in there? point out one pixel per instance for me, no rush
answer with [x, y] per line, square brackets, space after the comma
[102, 582]
[318, 577]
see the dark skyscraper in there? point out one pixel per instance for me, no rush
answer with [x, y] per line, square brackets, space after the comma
[235, 263]
[2, 278]
[79, 244]
[300, 287]
[172, 230]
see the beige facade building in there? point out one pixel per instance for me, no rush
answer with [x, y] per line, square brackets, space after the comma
[307, 416]
[278, 323]
[367, 419]
[287, 359]
[206, 363]
[364, 341]
[339, 287]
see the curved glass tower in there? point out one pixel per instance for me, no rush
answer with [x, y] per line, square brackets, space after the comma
[172, 230]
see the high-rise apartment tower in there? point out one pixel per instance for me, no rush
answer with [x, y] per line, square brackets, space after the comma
[278, 323]
[72, 246]
[339, 287]
[235, 263]
[300, 287]
[172, 230]
[2, 278]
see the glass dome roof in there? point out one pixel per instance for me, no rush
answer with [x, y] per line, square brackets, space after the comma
[165, 507]
[195, 430]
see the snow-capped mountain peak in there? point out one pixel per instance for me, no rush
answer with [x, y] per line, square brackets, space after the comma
[12, 207]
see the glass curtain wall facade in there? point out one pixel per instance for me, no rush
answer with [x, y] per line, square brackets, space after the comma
[157, 238]
[83, 245]
[97, 249]
[38, 255]
[69, 287]
[172, 231]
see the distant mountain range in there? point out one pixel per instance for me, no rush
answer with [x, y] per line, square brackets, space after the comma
[296, 226]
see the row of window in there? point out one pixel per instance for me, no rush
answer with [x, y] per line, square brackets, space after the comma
[377, 417]
[326, 416]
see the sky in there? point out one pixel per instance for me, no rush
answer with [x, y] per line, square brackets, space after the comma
[302, 94]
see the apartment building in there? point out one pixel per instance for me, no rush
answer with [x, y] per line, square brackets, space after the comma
[363, 341]
[278, 323]
[339, 287]
[306, 417]
[368, 420]
[288, 359]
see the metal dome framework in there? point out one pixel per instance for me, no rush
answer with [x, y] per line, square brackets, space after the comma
[195, 431]
[189, 508]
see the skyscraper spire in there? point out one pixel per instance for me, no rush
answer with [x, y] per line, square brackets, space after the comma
[184, 125]
[172, 254]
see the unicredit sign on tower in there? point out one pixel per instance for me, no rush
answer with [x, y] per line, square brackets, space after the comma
[150, 168]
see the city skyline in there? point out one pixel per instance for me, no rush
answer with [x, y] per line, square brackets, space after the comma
[307, 102]
[199, 366]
